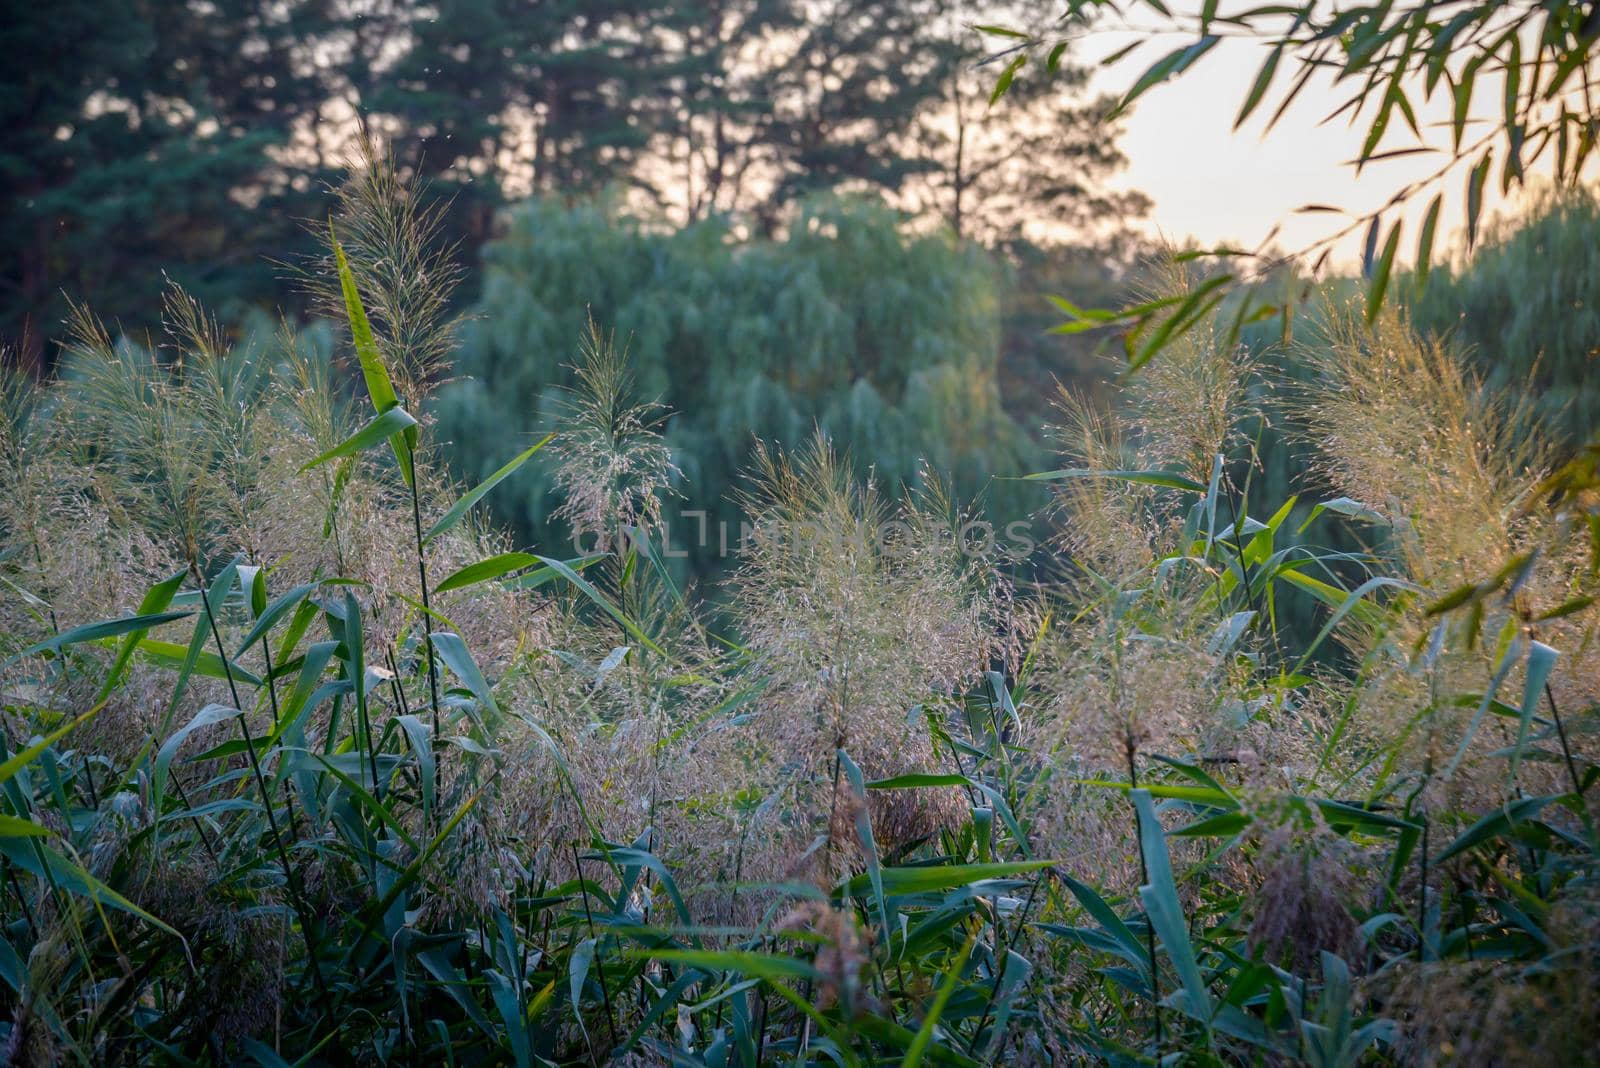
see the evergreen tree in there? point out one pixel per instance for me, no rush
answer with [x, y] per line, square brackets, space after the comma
[196, 139]
[153, 136]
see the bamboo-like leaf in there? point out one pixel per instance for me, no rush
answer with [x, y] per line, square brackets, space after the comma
[1109, 921]
[1541, 662]
[566, 571]
[473, 496]
[209, 664]
[12, 827]
[269, 616]
[33, 856]
[1378, 283]
[1475, 182]
[21, 759]
[453, 651]
[484, 570]
[766, 966]
[1430, 225]
[869, 844]
[206, 717]
[156, 600]
[1161, 905]
[1174, 62]
[1497, 823]
[420, 736]
[1003, 82]
[1167, 479]
[380, 387]
[90, 632]
[917, 781]
[1258, 88]
[382, 427]
[1000, 31]
[941, 877]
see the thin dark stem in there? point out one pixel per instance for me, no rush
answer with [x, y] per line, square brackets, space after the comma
[427, 608]
[761, 1021]
[88, 777]
[16, 888]
[599, 965]
[1005, 960]
[288, 796]
[291, 879]
[205, 839]
[38, 558]
[738, 875]
[272, 685]
[288, 805]
[1422, 897]
[394, 683]
[1237, 508]
[1572, 766]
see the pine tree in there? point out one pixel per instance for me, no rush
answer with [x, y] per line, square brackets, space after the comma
[148, 137]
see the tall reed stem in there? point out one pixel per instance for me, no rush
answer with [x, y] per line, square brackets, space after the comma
[1572, 767]
[427, 608]
[291, 879]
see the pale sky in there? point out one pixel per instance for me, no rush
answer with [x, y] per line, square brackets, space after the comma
[1220, 186]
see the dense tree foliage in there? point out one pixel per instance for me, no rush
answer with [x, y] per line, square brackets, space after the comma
[886, 339]
[1525, 309]
[197, 138]
[141, 138]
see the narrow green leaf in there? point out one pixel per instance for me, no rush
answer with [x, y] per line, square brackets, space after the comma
[472, 497]
[267, 617]
[1145, 478]
[1495, 824]
[172, 655]
[565, 571]
[1161, 905]
[738, 962]
[21, 759]
[1430, 225]
[73, 877]
[869, 845]
[453, 651]
[940, 877]
[1475, 183]
[952, 979]
[1000, 31]
[380, 387]
[1378, 285]
[90, 632]
[1003, 83]
[157, 599]
[381, 427]
[1541, 662]
[207, 716]
[1259, 87]
[484, 570]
